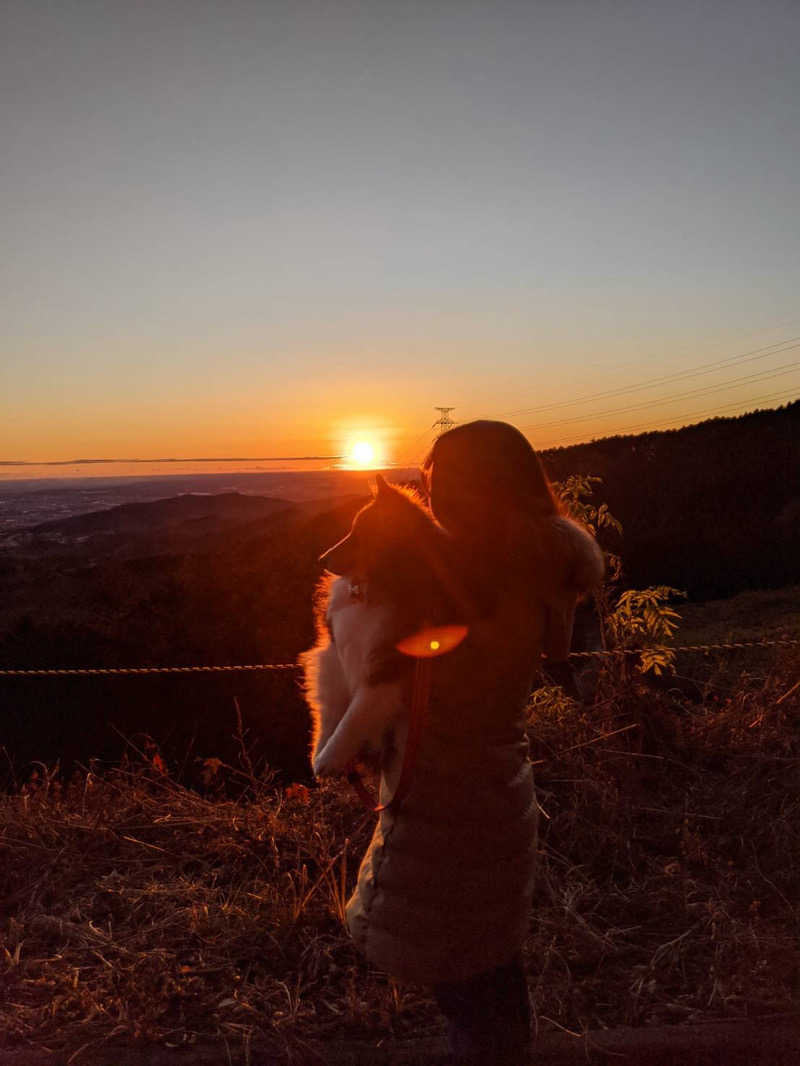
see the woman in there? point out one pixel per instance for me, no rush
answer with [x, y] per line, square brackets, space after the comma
[444, 891]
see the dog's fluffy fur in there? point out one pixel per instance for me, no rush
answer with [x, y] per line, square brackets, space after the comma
[356, 682]
[577, 567]
[349, 713]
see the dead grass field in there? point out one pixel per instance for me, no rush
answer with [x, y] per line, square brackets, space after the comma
[137, 911]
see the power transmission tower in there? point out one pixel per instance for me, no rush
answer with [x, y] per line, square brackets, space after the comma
[444, 421]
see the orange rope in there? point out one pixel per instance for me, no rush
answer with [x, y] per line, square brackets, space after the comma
[135, 671]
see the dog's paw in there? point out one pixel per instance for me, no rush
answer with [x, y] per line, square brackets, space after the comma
[327, 765]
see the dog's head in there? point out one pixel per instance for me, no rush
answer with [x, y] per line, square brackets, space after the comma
[402, 554]
[391, 527]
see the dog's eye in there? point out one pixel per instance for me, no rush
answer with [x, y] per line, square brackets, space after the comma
[433, 641]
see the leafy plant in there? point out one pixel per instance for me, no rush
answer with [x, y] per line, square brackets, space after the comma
[637, 618]
[574, 493]
[642, 618]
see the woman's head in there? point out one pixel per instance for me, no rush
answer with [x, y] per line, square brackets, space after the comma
[482, 474]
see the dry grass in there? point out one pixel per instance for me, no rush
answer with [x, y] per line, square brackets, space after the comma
[137, 910]
[670, 882]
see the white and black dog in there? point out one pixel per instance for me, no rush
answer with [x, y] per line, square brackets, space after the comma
[398, 583]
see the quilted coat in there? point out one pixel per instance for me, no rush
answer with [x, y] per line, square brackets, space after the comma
[444, 891]
[445, 888]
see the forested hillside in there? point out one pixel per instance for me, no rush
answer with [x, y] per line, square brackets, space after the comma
[712, 508]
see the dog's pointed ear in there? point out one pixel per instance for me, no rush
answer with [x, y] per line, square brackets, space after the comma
[341, 558]
[382, 485]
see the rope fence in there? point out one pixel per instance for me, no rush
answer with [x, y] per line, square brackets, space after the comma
[137, 671]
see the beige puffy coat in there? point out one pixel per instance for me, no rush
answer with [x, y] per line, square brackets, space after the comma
[444, 891]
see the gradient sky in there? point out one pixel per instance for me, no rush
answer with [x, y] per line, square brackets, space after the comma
[261, 228]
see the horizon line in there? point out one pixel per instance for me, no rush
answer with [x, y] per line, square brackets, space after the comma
[190, 459]
[630, 432]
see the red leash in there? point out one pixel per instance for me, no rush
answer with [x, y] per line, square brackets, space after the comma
[423, 646]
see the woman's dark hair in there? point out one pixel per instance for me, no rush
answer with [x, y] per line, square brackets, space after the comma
[480, 473]
[487, 487]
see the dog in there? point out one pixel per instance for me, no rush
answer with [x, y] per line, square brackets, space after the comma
[396, 587]
[400, 583]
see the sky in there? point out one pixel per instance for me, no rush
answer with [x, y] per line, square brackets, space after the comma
[270, 229]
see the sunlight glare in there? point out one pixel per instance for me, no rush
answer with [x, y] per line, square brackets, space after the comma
[361, 454]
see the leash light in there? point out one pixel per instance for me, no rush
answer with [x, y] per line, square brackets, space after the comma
[433, 641]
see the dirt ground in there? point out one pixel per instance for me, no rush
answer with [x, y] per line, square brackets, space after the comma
[770, 1041]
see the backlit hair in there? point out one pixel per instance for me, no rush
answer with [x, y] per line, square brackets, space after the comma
[483, 473]
[488, 489]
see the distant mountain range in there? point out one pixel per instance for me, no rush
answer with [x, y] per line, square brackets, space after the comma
[156, 527]
[29, 502]
[191, 507]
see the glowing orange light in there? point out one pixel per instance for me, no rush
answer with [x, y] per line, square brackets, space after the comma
[433, 641]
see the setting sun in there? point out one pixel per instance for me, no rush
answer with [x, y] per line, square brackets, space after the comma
[361, 453]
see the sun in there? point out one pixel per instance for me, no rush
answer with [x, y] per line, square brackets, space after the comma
[361, 454]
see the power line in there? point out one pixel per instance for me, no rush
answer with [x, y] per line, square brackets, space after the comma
[763, 375]
[726, 407]
[686, 419]
[753, 355]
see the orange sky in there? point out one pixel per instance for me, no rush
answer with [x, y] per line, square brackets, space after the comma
[264, 235]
